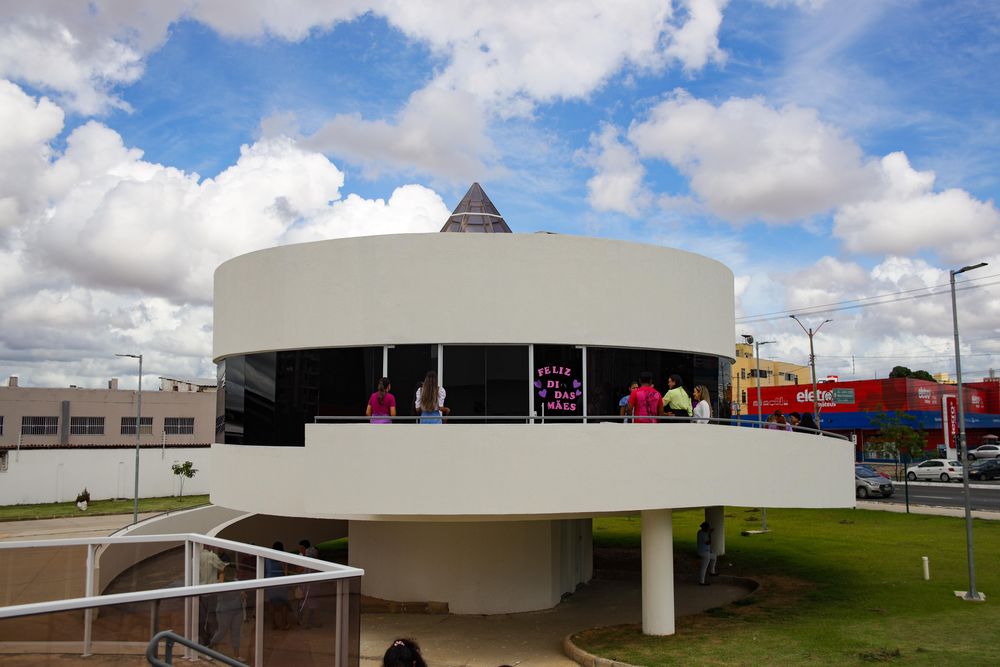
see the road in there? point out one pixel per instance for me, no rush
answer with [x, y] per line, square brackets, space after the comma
[983, 495]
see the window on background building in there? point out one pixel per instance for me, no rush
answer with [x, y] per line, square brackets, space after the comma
[743, 396]
[128, 426]
[178, 425]
[743, 373]
[1, 424]
[86, 425]
[39, 425]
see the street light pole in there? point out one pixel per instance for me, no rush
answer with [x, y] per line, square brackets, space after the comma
[138, 438]
[812, 364]
[972, 593]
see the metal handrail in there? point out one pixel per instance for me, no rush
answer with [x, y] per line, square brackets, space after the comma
[540, 419]
[172, 638]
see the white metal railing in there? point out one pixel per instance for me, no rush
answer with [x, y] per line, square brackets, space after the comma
[193, 543]
[586, 419]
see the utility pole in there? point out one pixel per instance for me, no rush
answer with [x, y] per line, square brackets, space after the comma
[138, 437]
[812, 364]
[972, 593]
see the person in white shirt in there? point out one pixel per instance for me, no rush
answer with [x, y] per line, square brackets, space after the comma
[702, 407]
[430, 400]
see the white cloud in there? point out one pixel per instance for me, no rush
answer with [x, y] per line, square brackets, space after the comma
[121, 255]
[617, 184]
[696, 42]
[438, 131]
[747, 161]
[908, 216]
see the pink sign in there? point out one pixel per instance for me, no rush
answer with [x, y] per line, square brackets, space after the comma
[558, 389]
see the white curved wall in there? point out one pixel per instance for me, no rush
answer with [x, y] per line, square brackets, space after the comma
[472, 288]
[515, 471]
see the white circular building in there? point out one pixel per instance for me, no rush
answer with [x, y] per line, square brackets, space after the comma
[536, 338]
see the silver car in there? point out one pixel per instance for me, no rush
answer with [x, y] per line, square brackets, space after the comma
[935, 469]
[868, 483]
[984, 452]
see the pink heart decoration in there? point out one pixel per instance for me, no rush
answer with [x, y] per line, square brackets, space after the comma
[538, 383]
[576, 384]
[542, 393]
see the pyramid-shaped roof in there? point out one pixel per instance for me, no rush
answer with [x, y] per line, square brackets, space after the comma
[476, 213]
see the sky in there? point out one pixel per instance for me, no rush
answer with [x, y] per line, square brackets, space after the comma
[826, 151]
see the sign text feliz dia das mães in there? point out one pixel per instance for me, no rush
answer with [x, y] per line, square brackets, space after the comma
[558, 389]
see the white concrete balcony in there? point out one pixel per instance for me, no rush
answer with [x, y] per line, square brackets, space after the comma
[461, 472]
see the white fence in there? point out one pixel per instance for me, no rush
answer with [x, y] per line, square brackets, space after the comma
[57, 475]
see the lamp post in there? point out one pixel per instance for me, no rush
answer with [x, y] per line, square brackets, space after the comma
[760, 413]
[972, 593]
[812, 364]
[138, 436]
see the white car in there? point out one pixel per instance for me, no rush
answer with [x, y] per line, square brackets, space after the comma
[984, 452]
[936, 469]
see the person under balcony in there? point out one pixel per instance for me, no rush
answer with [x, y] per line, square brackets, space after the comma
[676, 401]
[624, 409]
[381, 404]
[708, 558]
[644, 401]
[702, 407]
[430, 399]
[277, 596]
[229, 611]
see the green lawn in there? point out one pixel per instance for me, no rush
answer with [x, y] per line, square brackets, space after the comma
[58, 510]
[838, 587]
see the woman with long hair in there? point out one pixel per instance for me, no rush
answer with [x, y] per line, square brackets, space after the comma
[702, 405]
[430, 399]
[381, 404]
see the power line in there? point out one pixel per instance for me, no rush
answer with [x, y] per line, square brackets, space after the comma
[864, 302]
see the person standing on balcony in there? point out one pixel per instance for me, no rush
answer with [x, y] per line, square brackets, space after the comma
[676, 401]
[624, 409]
[702, 407]
[645, 400]
[430, 400]
[277, 596]
[381, 404]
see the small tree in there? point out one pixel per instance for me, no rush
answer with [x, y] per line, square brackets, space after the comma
[900, 372]
[923, 375]
[184, 470]
[897, 436]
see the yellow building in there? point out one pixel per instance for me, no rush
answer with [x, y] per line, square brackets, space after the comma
[773, 373]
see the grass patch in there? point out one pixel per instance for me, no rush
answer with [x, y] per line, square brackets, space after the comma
[98, 507]
[840, 587]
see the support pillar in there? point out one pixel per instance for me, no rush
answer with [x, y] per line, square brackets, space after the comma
[657, 572]
[716, 518]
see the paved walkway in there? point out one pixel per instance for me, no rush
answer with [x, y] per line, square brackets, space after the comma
[69, 527]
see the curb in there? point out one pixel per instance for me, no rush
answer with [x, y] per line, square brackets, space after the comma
[581, 657]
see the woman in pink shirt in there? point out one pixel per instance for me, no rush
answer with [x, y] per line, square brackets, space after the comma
[381, 404]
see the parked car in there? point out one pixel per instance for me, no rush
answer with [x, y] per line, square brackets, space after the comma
[937, 469]
[984, 469]
[869, 482]
[984, 452]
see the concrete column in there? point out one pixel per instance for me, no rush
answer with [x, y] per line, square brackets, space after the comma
[657, 572]
[716, 518]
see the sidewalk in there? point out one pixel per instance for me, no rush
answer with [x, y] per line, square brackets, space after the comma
[67, 527]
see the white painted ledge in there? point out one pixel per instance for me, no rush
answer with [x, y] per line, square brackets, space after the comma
[459, 472]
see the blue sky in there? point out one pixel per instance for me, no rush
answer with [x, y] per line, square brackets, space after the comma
[825, 151]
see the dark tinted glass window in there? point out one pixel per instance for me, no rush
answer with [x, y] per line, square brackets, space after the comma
[408, 365]
[507, 380]
[235, 382]
[486, 380]
[259, 414]
[611, 370]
